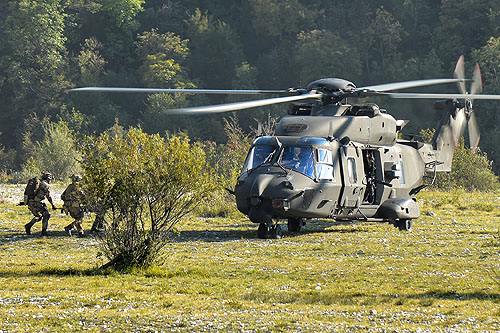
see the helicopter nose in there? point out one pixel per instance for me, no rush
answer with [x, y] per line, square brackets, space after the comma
[260, 184]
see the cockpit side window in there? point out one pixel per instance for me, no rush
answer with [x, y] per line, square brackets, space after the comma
[257, 156]
[324, 166]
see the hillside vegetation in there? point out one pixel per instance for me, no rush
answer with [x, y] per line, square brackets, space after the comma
[50, 46]
[444, 275]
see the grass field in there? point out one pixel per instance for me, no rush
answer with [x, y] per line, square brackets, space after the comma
[444, 275]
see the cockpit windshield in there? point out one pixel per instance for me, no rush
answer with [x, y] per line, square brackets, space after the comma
[258, 155]
[298, 158]
[314, 162]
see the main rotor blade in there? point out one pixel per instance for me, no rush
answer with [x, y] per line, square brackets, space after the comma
[459, 73]
[477, 83]
[190, 91]
[241, 105]
[409, 84]
[441, 96]
[474, 135]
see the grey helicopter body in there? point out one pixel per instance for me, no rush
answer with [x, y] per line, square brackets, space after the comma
[353, 167]
[328, 159]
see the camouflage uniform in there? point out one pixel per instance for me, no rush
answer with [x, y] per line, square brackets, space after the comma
[38, 207]
[99, 222]
[72, 196]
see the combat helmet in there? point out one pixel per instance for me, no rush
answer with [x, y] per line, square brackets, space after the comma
[76, 178]
[47, 176]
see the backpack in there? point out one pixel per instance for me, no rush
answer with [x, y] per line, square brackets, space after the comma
[31, 188]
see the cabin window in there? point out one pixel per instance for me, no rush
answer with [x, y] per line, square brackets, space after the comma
[402, 179]
[324, 167]
[351, 170]
[258, 155]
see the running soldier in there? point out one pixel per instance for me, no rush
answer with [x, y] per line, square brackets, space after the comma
[72, 196]
[35, 201]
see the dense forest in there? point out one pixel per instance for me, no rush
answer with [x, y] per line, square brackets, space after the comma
[50, 46]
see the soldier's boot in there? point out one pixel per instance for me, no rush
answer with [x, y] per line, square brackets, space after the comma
[98, 225]
[78, 227]
[68, 228]
[27, 226]
[45, 223]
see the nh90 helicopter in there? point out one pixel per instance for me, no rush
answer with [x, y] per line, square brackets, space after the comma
[329, 159]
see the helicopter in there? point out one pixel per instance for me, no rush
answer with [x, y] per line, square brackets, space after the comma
[329, 159]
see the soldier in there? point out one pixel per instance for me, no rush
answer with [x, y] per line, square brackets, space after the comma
[72, 197]
[37, 205]
[99, 222]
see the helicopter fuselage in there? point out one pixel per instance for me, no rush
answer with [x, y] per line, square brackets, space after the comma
[313, 169]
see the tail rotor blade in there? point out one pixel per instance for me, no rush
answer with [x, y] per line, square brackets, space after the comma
[459, 73]
[474, 134]
[477, 82]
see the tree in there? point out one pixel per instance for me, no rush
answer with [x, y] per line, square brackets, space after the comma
[488, 116]
[148, 184]
[33, 64]
[56, 152]
[382, 37]
[321, 53]
[162, 57]
[215, 50]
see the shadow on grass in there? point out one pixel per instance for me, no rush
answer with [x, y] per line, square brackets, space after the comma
[451, 295]
[10, 236]
[56, 271]
[250, 232]
[326, 298]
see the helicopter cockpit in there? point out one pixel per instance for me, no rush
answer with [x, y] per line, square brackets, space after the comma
[308, 156]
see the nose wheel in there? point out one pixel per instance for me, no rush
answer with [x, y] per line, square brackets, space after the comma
[403, 224]
[295, 224]
[272, 232]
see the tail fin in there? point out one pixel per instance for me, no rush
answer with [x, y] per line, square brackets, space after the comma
[450, 131]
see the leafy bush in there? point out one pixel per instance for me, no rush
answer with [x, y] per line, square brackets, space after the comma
[56, 153]
[470, 171]
[226, 160]
[147, 184]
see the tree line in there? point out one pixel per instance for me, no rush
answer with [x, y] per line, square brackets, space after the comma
[49, 46]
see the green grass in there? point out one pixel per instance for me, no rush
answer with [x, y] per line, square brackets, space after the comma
[444, 275]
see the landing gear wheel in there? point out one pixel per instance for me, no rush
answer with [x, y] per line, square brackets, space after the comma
[295, 224]
[275, 232]
[262, 231]
[405, 225]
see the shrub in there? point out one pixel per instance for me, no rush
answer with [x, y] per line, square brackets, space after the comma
[469, 171]
[56, 153]
[227, 161]
[147, 184]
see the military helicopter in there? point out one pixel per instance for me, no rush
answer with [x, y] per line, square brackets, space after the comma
[329, 159]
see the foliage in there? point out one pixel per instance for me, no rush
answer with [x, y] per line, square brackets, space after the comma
[227, 161]
[56, 153]
[488, 57]
[49, 46]
[162, 56]
[147, 184]
[34, 66]
[91, 62]
[321, 53]
[469, 171]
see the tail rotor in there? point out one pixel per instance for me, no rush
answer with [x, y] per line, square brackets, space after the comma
[475, 89]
